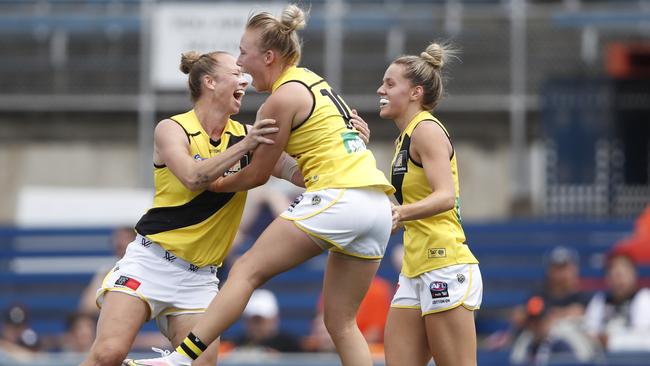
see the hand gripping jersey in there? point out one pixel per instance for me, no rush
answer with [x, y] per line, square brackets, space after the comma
[437, 241]
[328, 149]
[196, 226]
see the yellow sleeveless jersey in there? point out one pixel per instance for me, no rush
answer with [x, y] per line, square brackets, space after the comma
[196, 226]
[328, 149]
[437, 241]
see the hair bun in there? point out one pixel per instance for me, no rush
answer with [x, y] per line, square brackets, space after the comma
[188, 59]
[434, 55]
[293, 18]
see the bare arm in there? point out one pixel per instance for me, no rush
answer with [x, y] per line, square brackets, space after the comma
[172, 149]
[284, 106]
[431, 147]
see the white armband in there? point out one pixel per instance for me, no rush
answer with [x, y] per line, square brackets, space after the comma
[289, 168]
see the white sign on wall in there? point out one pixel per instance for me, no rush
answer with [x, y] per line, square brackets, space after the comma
[201, 27]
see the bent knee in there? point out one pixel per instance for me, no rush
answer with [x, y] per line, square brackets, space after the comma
[245, 269]
[338, 326]
[108, 353]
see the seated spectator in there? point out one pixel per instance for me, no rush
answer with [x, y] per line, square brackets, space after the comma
[561, 295]
[18, 339]
[619, 317]
[79, 332]
[545, 338]
[262, 327]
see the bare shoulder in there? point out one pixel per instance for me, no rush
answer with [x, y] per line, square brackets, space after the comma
[168, 129]
[428, 131]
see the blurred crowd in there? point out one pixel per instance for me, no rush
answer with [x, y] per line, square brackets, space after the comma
[563, 317]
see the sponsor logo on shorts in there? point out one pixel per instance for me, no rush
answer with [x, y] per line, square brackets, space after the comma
[295, 203]
[193, 268]
[127, 282]
[169, 256]
[460, 277]
[438, 289]
[437, 252]
[441, 301]
[146, 242]
[315, 200]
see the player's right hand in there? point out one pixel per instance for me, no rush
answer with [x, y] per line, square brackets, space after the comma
[257, 134]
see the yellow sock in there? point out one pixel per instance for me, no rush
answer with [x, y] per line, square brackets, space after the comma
[191, 347]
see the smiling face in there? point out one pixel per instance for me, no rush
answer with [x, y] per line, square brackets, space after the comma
[228, 84]
[251, 59]
[394, 93]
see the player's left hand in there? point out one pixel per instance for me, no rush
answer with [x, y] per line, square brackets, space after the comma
[361, 126]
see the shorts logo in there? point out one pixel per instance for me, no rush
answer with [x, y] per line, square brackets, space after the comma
[169, 256]
[460, 277]
[438, 289]
[146, 242]
[127, 282]
[193, 268]
[295, 203]
[315, 200]
[437, 252]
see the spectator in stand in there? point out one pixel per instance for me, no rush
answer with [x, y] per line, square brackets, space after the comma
[262, 327]
[560, 294]
[18, 339]
[80, 332]
[544, 337]
[619, 317]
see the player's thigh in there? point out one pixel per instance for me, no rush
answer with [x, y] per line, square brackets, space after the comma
[120, 319]
[451, 335]
[281, 247]
[346, 282]
[405, 339]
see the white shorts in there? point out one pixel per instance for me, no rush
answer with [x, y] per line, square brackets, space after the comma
[353, 221]
[441, 289]
[167, 284]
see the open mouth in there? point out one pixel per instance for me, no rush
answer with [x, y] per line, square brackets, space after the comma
[239, 94]
[383, 102]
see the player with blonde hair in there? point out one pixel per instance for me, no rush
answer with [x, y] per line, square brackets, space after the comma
[345, 208]
[432, 312]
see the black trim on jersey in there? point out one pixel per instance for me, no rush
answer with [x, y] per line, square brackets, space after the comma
[159, 166]
[313, 100]
[215, 143]
[316, 83]
[186, 133]
[398, 179]
[160, 219]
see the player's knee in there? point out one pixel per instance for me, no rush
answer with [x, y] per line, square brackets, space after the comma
[338, 326]
[245, 269]
[108, 353]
